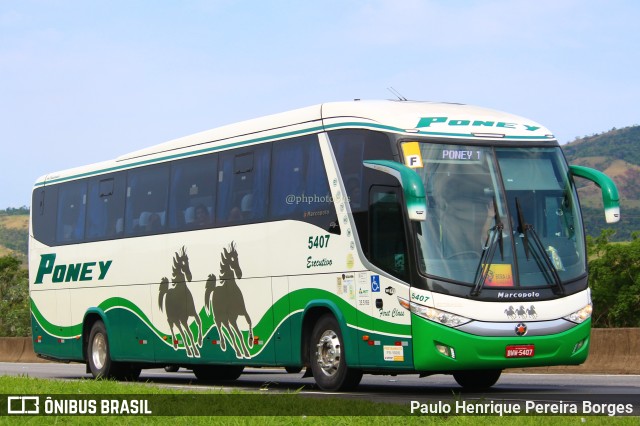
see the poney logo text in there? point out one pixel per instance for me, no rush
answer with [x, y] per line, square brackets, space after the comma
[71, 272]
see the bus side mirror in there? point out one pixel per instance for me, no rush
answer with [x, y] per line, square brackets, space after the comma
[411, 183]
[610, 197]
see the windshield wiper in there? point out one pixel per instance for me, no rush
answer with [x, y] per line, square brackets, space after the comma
[488, 252]
[526, 228]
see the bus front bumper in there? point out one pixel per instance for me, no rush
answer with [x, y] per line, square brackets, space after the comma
[440, 348]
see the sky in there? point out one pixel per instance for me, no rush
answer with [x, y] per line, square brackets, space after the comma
[83, 81]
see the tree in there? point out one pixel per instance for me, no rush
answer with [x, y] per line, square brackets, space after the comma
[615, 281]
[15, 317]
[12, 211]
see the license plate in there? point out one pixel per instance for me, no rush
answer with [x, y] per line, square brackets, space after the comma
[520, 351]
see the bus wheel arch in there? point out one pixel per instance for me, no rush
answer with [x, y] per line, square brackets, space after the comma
[97, 352]
[309, 320]
[312, 313]
[90, 318]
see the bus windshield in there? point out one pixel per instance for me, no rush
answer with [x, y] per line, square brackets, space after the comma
[497, 217]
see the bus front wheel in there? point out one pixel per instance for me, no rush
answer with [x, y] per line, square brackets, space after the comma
[477, 379]
[99, 358]
[327, 355]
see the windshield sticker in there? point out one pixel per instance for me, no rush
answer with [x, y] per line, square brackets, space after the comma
[350, 261]
[412, 155]
[499, 275]
[554, 256]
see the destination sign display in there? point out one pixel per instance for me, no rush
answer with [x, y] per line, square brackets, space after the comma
[416, 154]
[450, 154]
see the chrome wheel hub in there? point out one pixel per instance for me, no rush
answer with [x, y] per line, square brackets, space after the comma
[328, 352]
[99, 351]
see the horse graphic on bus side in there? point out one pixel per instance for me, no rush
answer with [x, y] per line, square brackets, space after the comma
[179, 305]
[226, 303]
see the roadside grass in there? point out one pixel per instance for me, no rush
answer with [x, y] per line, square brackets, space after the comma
[360, 412]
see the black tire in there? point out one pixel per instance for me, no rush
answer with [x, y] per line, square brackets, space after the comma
[476, 380]
[99, 357]
[127, 372]
[327, 356]
[213, 373]
[171, 368]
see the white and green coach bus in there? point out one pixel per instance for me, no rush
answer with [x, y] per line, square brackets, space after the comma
[378, 237]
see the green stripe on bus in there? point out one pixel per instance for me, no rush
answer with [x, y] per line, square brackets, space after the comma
[315, 129]
[265, 328]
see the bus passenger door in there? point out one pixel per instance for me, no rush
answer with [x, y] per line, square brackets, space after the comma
[388, 324]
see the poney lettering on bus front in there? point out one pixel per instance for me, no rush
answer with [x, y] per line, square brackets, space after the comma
[428, 121]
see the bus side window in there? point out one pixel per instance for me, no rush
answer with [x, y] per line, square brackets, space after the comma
[350, 148]
[299, 183]
[105, 207]
[45, 202]
[243, 185]
[146, 203]
[72, 201]
[193, 193]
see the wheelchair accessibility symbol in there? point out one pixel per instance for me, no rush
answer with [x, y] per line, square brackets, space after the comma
[375, 283]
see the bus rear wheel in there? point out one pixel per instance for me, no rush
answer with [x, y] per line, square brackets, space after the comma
[99, 358]
[212, 373]
[327, 355]
[477, 379]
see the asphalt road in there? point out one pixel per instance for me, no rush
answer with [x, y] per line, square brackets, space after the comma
[544, 388]
[610, 388]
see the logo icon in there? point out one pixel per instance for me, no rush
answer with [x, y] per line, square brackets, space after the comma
[23, 405]
[521, 329]
[521, 312]
[375, 283]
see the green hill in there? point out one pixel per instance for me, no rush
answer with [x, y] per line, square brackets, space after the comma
[616, 144]
[616, 153]
[14, 232]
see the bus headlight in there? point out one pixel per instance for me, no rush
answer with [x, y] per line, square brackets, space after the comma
[433, 314]
[580, 316]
